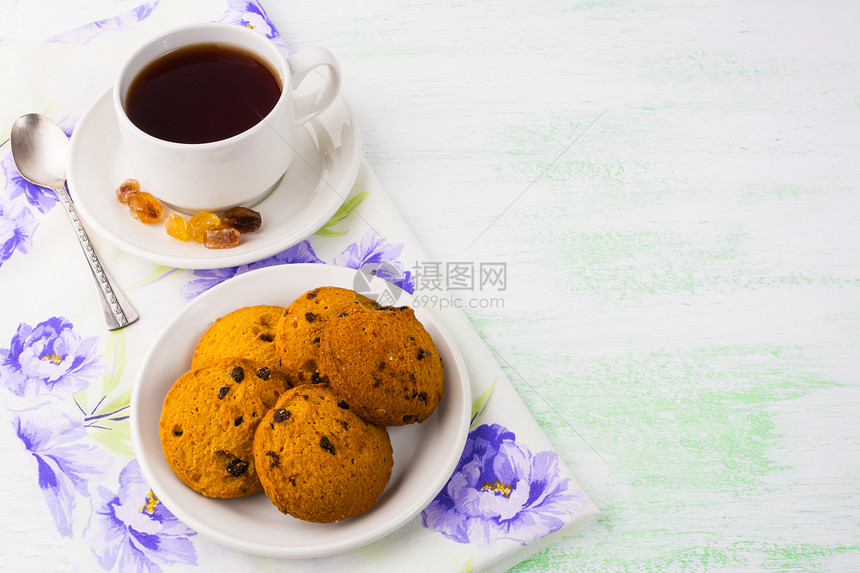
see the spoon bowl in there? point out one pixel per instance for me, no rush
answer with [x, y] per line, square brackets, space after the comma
[40, 151]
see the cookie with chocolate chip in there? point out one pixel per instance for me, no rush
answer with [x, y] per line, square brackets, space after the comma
[317, 460]
[299, 330]
[384, 364]
[247, 332]
[208, 421]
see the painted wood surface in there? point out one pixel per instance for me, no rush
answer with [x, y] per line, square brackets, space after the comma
[673, 188]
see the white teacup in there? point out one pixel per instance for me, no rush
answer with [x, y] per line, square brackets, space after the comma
[237, 170]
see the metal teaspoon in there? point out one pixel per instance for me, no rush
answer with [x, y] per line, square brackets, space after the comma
[40, 150]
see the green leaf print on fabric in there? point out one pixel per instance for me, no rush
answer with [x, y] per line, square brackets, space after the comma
[106, 412]
[340, 215]
[158, 273]
[482, 404]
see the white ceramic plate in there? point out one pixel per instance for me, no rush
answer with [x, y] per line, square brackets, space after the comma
[425, 454]
[328, 157]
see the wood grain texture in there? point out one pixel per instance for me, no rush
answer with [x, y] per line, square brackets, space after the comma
[675, 190]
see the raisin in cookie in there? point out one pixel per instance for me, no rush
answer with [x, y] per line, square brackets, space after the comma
[384, 364]
[244, 333]
[318, 461]
[297, 339]
[208, 421]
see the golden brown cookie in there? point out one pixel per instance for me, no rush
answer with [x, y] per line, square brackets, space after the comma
[297, 339]
[208, 422]
[317, 460]
[384, 364]
[248, 332]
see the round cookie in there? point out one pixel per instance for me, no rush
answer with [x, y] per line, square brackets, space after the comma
[297, 338]
[317, 460]
[384, 365]
[247, 332]
[208, 421]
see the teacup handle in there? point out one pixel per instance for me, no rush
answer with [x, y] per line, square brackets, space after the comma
[309, 105]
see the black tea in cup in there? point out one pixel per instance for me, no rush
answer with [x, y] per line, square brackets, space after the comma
[202, 93]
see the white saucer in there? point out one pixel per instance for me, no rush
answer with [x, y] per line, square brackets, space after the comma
[328, 156]
[425, 454]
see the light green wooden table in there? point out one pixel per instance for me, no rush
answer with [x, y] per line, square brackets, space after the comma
[674, 189]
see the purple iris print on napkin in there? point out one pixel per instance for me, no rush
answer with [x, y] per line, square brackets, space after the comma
[375, 255]
[500, 490]
[48, 358]
[17, 222]
[64, 464]
[206, 279]
[39, 197]
[17, 225]
[46, 365]
[132, 528]
[251, 15]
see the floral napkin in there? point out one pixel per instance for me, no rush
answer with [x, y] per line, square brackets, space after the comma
[66, 382]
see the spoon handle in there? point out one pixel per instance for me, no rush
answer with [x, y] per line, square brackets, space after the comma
[116, 309]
